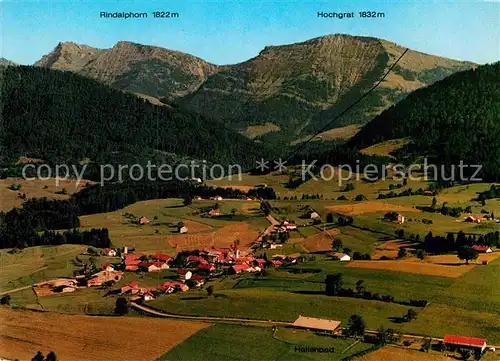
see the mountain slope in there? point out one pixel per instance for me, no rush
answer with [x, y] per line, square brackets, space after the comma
[5, 62]
[456, 119]
[63, 117]
[132, 67]
[303, 86]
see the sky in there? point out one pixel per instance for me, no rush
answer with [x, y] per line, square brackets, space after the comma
[232, 31]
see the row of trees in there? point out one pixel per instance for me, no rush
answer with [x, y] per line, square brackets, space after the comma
[453, 242]
[334, 286]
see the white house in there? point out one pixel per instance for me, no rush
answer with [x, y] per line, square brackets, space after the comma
[218, 198]
[315, 215]
[341, 257]
[183, 230]
[198, 180]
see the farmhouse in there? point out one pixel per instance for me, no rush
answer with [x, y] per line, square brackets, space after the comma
[472, 219]
[132, 287]
[395, 217]
[109, 252]
[276, 263]
[99, 278]
[131, 262]
[289, 226]
[198, 280]
[197, 259]
[184, 274]
[318, 324]
[108, 267]
[315, 215]
[162, 257]
[260, 262]
[463, 341]
[206, 267]
[153, 266]
[238, 268]
[275, 245]
[341, 256]
[482, 249]
[214, 213]
[144, 220]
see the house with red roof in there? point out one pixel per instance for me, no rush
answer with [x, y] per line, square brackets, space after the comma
[289, 226]
[238, 268]
[454, 341]
[198, 280]
[108, 267]
[214, 213]
[132, 287]
[276, 263]
[193, 258]
[153, 266]
[131, 262]
[109, 252]
[482, 249]
[247, 259]
[260, 262]
[206, 267]
[162, 257]
[184, 274]
[144, 220]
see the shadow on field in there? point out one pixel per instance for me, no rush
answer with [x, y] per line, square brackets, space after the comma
[309, 292]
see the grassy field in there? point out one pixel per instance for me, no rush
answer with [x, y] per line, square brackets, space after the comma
[36, 188]
[235, 342]
[78, 337]
[391, 353]
[162, 233]
[35, 264]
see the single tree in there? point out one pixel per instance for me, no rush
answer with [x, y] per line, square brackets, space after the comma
[121, 306]
[421, 254]
[401, 252]
[51, 356]
[410, 315]
[5, 300]
[434, 203]
[467, 253]
[333, 284]
[360, 286]
[187, 200]
[329, 218]
[38, 357]
[355, 326]
[210, 290]
[336, 244]
[347, 250]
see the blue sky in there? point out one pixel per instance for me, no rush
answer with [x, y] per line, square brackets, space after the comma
[226, 32]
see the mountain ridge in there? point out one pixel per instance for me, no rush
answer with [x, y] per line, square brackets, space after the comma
[297, 88]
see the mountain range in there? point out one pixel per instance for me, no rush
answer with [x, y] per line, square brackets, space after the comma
[285, 93]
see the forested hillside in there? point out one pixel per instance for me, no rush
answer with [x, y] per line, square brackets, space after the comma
[297, 89]
[64, 117]
[455, 119]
